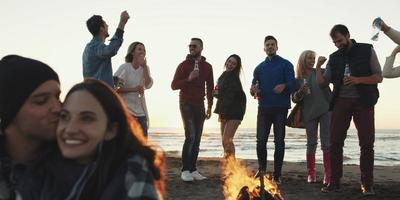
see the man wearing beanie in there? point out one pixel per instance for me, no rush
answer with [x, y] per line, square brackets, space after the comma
[97, 56]
[29, 106]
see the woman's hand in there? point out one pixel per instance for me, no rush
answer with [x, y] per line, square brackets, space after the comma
[395, 51]
[321, 60]
[139, 89]
[304, 89]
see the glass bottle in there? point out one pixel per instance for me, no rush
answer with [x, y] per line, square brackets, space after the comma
[305, 83]
[376, 26]
[347, 71]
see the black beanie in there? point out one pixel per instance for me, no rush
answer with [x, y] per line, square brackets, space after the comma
[19, 77]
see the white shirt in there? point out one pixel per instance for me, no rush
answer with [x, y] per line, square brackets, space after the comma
[132, 78]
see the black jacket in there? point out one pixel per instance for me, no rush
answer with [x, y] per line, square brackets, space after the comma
[358, 58]
[231, 103]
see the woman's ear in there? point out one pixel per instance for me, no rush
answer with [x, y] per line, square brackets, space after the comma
[111, 132]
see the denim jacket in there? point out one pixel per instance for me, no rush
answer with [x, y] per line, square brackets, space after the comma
[96, 58]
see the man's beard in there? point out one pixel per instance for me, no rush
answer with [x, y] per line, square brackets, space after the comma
[195, 55]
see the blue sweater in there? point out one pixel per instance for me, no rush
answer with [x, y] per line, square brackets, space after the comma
[270, 73]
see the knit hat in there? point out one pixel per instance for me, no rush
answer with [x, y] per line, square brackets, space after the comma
[19, 77]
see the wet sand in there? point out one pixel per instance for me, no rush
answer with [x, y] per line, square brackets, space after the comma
[294, 186]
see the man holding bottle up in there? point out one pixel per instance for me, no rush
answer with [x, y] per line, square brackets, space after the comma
[355, 71]
[193, 77]
[273, 82]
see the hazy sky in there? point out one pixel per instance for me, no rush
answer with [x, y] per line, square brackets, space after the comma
[55, 33]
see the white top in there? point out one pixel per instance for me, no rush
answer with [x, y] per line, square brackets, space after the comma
[131, 78]
[389, 71]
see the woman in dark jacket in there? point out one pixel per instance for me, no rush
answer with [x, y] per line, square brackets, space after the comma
[231, 103]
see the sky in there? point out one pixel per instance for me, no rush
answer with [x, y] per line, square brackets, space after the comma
[55, 32]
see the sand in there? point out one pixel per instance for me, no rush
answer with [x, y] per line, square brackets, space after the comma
[294, 186]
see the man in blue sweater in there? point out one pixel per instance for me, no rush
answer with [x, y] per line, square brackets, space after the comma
[272, 84]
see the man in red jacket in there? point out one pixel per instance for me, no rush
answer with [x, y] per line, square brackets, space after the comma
[191, 77]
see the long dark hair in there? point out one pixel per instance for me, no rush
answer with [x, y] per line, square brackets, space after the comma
[238, 68]
[128, 141]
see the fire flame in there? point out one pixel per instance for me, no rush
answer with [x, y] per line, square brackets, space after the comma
[236, 176]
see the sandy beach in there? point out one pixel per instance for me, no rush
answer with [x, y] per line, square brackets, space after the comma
[294, 186]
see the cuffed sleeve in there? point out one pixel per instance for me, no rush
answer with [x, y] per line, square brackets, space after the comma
[388, 70]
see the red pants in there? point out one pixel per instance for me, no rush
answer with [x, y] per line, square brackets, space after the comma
[363, 117]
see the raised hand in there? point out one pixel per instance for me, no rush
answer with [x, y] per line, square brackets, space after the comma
[321, 60]
[384, 26]
[123, 19]
[395, 51]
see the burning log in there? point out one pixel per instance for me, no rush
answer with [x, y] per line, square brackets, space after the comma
[240, 184]
[245, 194]
[258, 193]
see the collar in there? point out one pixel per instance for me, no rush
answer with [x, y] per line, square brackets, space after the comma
[274, 57]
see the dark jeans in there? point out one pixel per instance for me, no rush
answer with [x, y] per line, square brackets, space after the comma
[363, 117]
[265, 118]
[193, 117]
[143, 123]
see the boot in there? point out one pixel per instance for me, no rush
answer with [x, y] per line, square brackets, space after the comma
[311, 168]
[327, 168]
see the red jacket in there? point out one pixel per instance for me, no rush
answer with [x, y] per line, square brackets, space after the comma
[194, 91]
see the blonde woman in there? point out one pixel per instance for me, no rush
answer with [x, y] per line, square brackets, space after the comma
[315, 100]
[135, 78]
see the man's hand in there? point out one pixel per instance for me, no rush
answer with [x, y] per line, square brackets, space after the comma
[208, 114]
[351, 80]
[278, 89]
[253, 90]
[123, 19]
[194, 74]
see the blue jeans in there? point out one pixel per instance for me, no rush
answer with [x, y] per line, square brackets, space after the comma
[193, 117]
[265, 118]
[143, 124]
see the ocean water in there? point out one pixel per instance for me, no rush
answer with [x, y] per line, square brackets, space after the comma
[387, 145]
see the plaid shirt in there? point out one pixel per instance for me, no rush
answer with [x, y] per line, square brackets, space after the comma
[139, 181]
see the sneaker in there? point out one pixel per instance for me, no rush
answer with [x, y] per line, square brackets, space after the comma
[367, 191]
[331, 187]
[186, 176]
[197, 176]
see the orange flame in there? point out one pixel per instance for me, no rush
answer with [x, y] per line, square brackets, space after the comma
[236, 176]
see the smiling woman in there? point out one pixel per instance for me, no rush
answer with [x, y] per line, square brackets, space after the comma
[97, 134]
[82, 126]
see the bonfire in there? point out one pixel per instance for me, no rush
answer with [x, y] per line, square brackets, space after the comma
[240, 183]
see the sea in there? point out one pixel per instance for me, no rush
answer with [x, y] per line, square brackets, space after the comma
[387, 145]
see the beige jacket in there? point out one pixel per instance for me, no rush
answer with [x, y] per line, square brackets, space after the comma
[388, 70]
